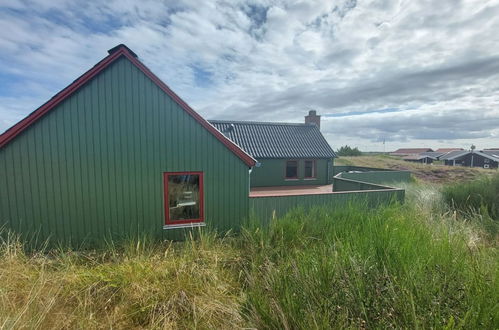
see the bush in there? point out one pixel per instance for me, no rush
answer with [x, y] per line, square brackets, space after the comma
[348, 151]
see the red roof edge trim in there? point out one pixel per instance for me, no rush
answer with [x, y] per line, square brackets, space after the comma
[12, 132]
[245, 157]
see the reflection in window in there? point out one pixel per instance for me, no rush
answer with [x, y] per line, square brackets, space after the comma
[184, 197]
[309, 169]
[291, 169]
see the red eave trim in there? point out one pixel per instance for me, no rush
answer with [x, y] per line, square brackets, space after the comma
[58, 98]
[12, 132]
[250, 161]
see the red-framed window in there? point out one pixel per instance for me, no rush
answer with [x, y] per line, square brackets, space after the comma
[184, 197]
[291, 171]
[310, 169]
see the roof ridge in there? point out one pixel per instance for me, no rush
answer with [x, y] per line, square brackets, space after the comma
[249, 122]
[276, 140]
[114, 54]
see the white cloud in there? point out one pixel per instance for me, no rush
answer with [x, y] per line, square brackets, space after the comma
[437, 61]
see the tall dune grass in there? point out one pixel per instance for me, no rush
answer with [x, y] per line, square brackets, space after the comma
[140, 284]
[476, 197]
[356, 268]
[398, 266]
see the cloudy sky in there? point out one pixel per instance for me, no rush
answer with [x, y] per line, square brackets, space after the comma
[411, 72]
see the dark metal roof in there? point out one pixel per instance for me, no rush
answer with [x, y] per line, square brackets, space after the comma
[453, 154]
[432, 154]
[276, 140]
[492, 152]
[489, 155]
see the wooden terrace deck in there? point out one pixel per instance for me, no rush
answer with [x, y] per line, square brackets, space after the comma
[291, 190]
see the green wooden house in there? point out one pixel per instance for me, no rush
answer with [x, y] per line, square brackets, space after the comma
[287, 154]
[119, 154]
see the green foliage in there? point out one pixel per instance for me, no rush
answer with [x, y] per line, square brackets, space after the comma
[358, 268]
[480, 196]
[138, 284]
[348, 151]
[407, 266]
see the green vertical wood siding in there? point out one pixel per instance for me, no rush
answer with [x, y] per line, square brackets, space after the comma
[272, 171]
[93, 166]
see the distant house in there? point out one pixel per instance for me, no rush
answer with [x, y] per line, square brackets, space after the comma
[421, 158]
[433, 154]
[484, 158]
[287, 154]
[424, 157]
[410, 151]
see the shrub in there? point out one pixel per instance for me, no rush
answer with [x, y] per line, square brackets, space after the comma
[348, 151]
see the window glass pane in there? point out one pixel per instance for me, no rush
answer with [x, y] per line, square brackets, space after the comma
[183, 197]
[291, 169]
[309, 169]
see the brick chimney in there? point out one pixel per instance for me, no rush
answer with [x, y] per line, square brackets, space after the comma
[312, 118]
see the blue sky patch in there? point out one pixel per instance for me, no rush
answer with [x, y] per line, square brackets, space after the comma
[202, 77]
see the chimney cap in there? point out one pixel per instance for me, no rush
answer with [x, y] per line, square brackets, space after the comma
[119, 47]
[312, 113]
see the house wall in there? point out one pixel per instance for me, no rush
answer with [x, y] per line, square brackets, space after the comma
[345, 168]
[267, 208]
[376, 177]
[93, 166]
[478, 161]
[272, 171]
[421, 161]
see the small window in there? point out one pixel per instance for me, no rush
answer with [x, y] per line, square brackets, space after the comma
[183, 197]
[310, 169]
[291, 169]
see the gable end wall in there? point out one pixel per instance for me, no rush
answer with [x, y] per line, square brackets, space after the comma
[93, 166]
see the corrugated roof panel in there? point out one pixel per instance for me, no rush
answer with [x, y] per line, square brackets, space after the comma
[276, 140]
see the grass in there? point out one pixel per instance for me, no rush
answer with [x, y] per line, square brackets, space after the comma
[384, 269]
[480, 196]
[139, 285]
[411, 266]
[436, 173]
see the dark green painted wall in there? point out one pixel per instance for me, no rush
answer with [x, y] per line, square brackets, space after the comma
[93, 166]
[371, 174]
[341, 184]
[265, 209]
[379, 176]
[271, 173]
